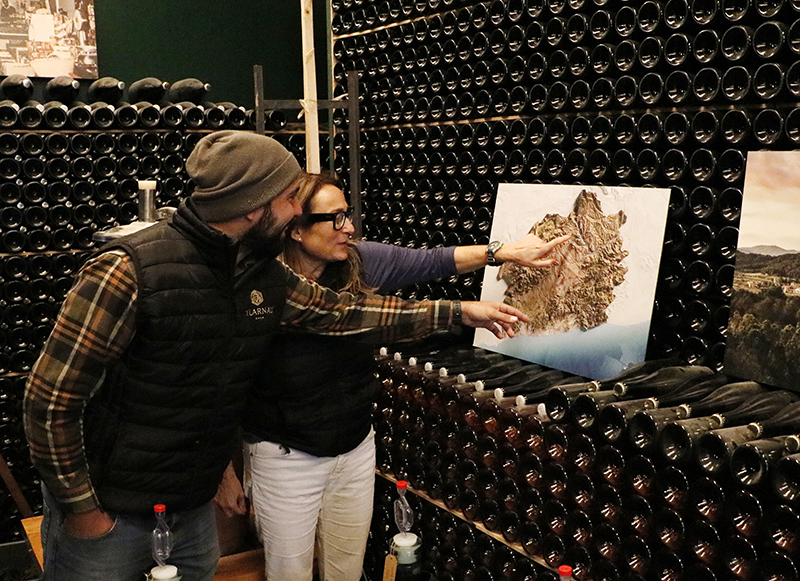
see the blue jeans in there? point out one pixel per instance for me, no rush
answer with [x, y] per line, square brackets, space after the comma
[125, 552]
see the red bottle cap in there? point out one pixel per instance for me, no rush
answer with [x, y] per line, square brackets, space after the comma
[159, 508]
[402, 485]
[565, 571]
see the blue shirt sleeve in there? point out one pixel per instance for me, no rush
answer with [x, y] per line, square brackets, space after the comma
[388, 267]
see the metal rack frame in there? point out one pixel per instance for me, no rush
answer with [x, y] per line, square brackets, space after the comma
[350, 103]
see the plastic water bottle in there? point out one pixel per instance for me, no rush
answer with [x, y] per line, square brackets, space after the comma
[162, 537]
[405, 544]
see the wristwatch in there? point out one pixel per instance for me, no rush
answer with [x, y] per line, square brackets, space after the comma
[491, 249]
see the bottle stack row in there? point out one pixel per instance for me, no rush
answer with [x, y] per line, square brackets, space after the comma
[459, 96]
[67, 171]
[452, 548]
[666, 471]
[14, 450]
[151, 104]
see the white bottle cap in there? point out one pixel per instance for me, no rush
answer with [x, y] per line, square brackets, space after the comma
[404, 547]
[164, 572]
[412, 360]
[147, 184]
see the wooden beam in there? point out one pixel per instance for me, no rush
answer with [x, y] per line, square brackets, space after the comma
[310, 87]
[14, 490]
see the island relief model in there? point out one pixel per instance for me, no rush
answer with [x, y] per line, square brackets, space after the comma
[576, 292]
[590, 313]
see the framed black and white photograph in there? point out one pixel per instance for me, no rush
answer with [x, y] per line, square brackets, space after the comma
[48, 38]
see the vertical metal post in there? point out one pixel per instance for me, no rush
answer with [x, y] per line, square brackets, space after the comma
[258, 82]
[329, 73]
[354, 148]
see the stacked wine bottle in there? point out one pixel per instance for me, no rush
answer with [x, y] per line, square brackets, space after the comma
[459, 96]
[67, 170]
[452, 549]
[666, 471]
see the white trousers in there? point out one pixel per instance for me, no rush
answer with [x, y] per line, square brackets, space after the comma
[300, 500]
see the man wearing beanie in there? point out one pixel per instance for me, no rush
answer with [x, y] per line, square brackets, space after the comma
[135, 398]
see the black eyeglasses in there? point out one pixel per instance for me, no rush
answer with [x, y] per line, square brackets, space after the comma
[338, 218]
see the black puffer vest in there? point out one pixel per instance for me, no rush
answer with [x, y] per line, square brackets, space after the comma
[161, 428]
[314, 393]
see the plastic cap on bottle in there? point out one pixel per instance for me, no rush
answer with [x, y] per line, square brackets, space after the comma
[159, 508]
[565, 571]
[164, 571]
[402, 484]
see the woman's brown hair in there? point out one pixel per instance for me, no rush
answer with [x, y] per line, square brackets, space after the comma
[348, 273]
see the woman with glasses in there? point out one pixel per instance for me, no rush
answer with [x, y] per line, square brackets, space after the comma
[309, 445]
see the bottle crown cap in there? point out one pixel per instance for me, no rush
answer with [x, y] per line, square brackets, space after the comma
[398, 356]
[428, 366]
[159, 508]
[412, 360]
[565, 570]
[402, 485]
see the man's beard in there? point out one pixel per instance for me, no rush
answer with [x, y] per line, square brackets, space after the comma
[266, 237]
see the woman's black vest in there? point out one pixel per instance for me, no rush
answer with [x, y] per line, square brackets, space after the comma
[314, 393]
[161, 428]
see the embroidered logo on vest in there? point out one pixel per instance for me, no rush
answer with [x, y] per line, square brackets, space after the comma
[258, 312]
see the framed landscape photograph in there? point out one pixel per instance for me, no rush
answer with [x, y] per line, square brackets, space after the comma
[590, 313]
[48, 38]
[763, 342]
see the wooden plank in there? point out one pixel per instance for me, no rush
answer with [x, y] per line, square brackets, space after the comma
[33, 530]
[310, 87]
[246, 566]
[14, 489]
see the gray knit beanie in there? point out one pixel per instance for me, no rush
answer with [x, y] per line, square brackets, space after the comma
[236, 172]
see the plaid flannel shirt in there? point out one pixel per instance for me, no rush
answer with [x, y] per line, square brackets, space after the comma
[97, 322]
